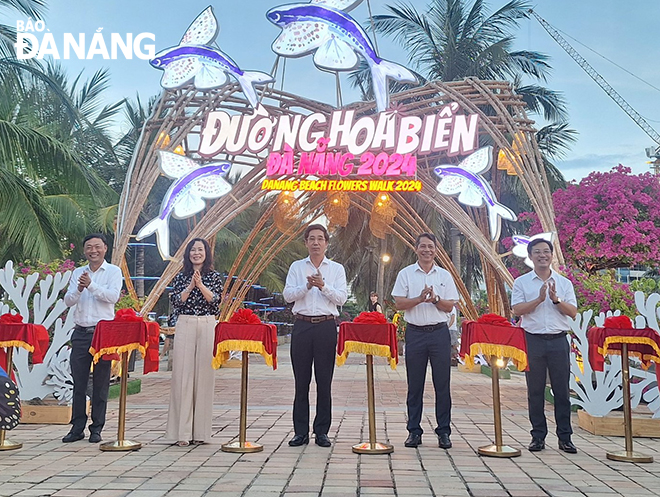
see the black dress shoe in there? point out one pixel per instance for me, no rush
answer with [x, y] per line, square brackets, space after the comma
[95, 438]
[413, 440]
[72, 437]
[299, 440]
[443, 441]
[322, 441]
[536, 445]
[567, 447]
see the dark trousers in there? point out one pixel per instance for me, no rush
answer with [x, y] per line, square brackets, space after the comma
[313, 344]
[81, 361]
[422, 347]
[548, 356]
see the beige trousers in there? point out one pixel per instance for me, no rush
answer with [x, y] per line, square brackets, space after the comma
[193, 380]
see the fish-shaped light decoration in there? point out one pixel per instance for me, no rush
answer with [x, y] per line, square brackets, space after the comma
[465, 180]
[520, 245]
[186, 195]
[194, 58]
[323, 26]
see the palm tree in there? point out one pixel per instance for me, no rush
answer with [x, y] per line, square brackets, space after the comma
[452, 40]
[52, 135]
[30, 8]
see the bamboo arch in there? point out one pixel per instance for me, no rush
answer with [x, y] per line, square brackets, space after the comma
[180, 114]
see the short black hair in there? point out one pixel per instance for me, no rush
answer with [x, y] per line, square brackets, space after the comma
[100, 236]
[313, 227]
[207, 265]
[430, 236]
[535, 242]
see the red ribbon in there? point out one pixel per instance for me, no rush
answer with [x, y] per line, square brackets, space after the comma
[244, 316]
[493, 319]
[9, 318]
[371, 318]
[620, 322]
[127, 315]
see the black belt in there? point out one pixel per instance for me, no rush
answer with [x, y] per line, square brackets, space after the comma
[548, 336]
[429, 327]
[315, 319]
[87, 329]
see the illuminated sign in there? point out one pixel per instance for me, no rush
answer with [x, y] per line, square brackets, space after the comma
[383, 145]
[324, 185]
[456, 134]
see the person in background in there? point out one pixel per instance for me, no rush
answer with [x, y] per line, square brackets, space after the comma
[317, 286]
[195, 300]
[545, 300]
[453, 332]
[375, 305]
[94, 289]
[428, 294]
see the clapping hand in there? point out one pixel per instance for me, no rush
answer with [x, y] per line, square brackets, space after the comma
[315, 280]
[84, 281]
[543, 291]
[552, 290]
[427, 294]
[195, 281]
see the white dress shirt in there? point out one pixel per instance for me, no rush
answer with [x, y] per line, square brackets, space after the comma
[97, 301]
[315, 302]
[409, 284]
[546, 318]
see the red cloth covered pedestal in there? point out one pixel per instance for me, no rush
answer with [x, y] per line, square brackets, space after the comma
[255, 337]
[118, 336]
[492, 340]
[367, 338]
[642, 343]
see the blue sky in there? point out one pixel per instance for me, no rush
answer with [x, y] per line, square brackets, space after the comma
[625, 32]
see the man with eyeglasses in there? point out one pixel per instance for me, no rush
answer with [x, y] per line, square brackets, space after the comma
[316, 285]
[545, 300]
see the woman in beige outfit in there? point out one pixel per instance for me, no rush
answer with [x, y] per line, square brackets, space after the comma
[195, 299]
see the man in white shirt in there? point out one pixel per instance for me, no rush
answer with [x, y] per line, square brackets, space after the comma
[94, 290]
[427, 293]
[317, 286]
[545, 300]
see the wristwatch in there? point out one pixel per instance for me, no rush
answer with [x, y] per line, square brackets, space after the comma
[436, 300]
[556, 302]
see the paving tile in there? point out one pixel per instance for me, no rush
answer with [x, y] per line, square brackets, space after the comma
[47, 467]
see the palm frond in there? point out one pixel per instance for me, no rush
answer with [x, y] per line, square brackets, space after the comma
[27, 222]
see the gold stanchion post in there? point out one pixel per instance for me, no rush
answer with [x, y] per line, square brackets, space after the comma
[627, 455]
[242, 446]
[497, 449]
[120, 444]
[372, 447]
[4, 443]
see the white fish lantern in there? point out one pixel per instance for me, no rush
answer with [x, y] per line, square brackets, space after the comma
[520, 245]
[186, 196]
[195, 59]
[324, 27]
[465, 180]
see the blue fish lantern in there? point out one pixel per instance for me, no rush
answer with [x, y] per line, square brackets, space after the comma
[186, 196]
[195, 59]
[323, 27]
[465, 180]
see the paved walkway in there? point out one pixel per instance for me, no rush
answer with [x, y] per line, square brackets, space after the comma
[45, 466]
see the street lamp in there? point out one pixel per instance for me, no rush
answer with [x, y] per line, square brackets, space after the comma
[382, 260]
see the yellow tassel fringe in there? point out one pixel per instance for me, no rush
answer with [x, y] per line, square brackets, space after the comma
[366, 349]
